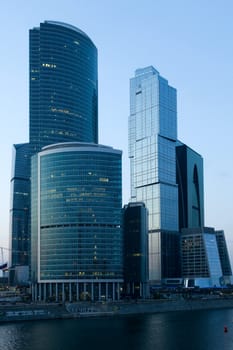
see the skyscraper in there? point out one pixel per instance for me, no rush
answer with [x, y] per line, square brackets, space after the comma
[63, 108]
[76, 222]
[135, 223]
[152, 153]
[63, 85]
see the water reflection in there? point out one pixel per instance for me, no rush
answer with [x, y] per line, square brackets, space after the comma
[195, 330]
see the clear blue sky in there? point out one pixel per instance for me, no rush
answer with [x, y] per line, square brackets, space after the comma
[189, 42]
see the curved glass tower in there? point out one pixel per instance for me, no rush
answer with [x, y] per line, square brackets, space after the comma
[76, 222]
[63, 108]
[63, 85]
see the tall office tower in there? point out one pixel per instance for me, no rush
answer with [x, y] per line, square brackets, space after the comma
[63, 108]
[189, 165]
[76, 222]
[135, 223]
[63, 85]
[152, 153]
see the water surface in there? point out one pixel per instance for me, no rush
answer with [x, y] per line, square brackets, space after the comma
[192, 330]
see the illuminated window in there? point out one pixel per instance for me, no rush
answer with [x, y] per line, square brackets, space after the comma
[49, 65]
[104, 179]
[137, 254]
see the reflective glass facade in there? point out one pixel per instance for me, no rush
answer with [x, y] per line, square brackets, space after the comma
[20, 206]
[152, 153]
[63, 107]
[200, 258]
[63, 85]
[77, 215]
[190, 180]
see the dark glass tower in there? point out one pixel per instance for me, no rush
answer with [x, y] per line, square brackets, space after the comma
[76, 222]
[63, 108]
[135, 222]
[63, 85]
[20, 205]
[189, 170]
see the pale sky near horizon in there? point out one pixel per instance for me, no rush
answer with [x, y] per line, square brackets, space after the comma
[189, 42]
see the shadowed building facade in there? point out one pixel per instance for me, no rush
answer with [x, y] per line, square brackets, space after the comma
[135, 223]
[189, 170]
[223, 255]
[20, 205]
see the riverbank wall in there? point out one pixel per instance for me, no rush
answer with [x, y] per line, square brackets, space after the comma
[43, 311]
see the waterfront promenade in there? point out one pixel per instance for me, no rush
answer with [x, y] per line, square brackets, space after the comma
[39, 311]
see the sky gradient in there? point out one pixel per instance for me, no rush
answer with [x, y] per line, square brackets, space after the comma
[188, 42]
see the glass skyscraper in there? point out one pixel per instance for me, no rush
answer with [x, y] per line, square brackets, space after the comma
[63, 85]
[76, 222]
[152, 153]
[63, 108]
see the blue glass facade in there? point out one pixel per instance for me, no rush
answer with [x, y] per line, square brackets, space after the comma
[76, 218]
[20, 206]
[63, 85]
[152, 153]
[63, 107]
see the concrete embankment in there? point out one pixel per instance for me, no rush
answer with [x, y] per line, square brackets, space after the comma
[175, 305]
[27, 312]
[42, 311]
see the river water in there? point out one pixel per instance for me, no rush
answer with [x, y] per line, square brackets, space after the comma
[189, 330]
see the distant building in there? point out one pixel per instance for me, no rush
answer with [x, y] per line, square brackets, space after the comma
[63, 107]
[20, 207]
[77, 222]
[152, 153]
[224, 256]
[201, 265]
[135, 235]
[189, 170]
